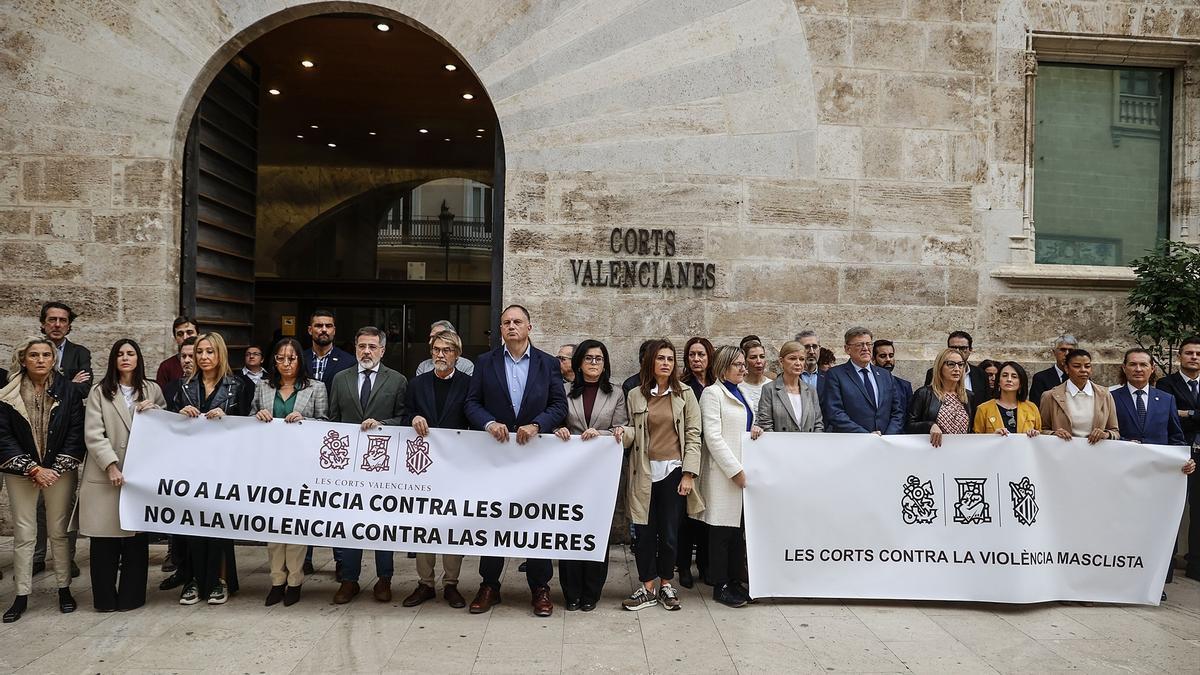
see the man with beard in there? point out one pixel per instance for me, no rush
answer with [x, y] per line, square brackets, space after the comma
[884, 355]
[812, 375]
[463, 364]
[324, 359]
[434, 400]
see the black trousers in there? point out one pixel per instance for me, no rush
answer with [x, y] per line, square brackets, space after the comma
[654, 550]
[692, 534]
[1193, 533]
[582, 579]
[726, 554]
[119, 569]
[207, 561]
[537, 572]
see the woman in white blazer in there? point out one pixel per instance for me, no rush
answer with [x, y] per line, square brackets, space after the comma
[291, 394]
[120, 559]
[594, 408]
[726, 417]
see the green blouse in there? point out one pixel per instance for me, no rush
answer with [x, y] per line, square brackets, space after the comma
[283, 408]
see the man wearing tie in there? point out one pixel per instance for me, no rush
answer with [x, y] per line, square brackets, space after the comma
[371, 395]
[1184, 385]
[1146, 414]
[516, 388]
[859, 397]
[1045, 380]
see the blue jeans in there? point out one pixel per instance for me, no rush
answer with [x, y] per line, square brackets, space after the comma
[352, 563]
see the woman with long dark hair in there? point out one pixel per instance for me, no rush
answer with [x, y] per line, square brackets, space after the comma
[288, 392]
[120, 559]
[594, 408]
[1010, 412]
[698, 355]
[210, 570]
[663, 437]
[41, 446]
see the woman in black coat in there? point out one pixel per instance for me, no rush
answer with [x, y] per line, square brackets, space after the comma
[942, 406]
[41, 446]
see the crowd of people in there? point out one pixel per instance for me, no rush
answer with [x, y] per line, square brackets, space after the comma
[684, 428]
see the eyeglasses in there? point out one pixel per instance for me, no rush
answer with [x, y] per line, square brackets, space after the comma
[442, 350]
[859, 345]
[812, 348]
[564, 359]
[285, 359]
[953, 364]
[593, 359]
[739, 366]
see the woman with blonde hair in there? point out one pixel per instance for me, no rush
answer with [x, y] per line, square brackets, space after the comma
[41, 446]
[212, 391]
[787, 402]
[942, 406]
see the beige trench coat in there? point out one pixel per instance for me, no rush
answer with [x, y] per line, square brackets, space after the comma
[636, 438]
[106, 426]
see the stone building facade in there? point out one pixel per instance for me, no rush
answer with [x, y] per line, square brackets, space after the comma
[826, 162]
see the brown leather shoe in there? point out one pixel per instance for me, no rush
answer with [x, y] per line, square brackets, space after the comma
[345, 592]
[420, 594]
[453, 597]
[383, 589]
[541, 602]
[484, 599]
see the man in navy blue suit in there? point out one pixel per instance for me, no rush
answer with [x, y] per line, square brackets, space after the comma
[1184, 385]
[516, 388]
[324, 359]
[859, 397]
[883, 354]
[1146, 414]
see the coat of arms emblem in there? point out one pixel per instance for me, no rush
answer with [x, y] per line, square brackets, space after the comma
[376, 457]
[335, 451]
[917, 504]
[1024, 501]
[417, 458]
[972, 507]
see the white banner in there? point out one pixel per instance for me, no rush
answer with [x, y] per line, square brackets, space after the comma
[331, 484]
[983, 518]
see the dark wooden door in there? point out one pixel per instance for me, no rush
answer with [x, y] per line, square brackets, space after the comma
[219, 183]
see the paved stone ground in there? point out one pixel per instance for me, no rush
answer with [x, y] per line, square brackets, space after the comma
[772, 636]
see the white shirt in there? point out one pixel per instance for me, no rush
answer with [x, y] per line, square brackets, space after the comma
[127, 394]
[752, 392]
[1081, 408]
[870, 373]
[797, 406]
[661, 469]
[362, 377]
[1145, 395]
[254, 377]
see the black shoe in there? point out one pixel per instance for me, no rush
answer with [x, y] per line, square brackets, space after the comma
[275, 595]
[521, 568]
[291, 595]
[573, 605]
[729, 596]
[20, 603]
[412, 555]
[308, 567]
[745, 592]
[39, 567]
[169, 566]
[1164, 597]
[66, 602]
[173, 581]
[74, 571]
[586, 605]
[686, 579]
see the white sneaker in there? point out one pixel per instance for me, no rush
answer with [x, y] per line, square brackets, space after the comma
[641, 599]
[217, 595]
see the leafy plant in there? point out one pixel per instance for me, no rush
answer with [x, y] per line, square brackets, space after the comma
[1164, 304]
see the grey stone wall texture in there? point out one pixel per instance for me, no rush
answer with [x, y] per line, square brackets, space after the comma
[839, 161]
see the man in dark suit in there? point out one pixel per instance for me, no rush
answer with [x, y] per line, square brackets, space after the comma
[635, 379]
[436, 400]
[516, 388]
[1184, 385]
[171, 368]
[812, 375]
[324, 359]
[975, 379]
[72, 361]
[187, 363]
[1146, 414]
[883, 354]
[860, 397]
[371, 395]
[1045, 380]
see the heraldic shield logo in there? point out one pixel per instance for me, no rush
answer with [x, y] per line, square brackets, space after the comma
[376, 457]
[417, 459]
[917, 505]
[972, 507]
[1024, 501]
[335, 451]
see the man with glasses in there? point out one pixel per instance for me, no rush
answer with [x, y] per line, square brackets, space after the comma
[812, 375]
[252, 365]
[860, 397]
[1045, 380]
[974, 379]
[462, 364]
[565, 353]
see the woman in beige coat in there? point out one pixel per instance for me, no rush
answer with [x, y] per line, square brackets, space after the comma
[120, 559]
[288, 393]
[663, 437]
[1077, 408]
[726, 417]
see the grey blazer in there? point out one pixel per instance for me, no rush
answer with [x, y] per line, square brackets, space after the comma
[775, 411]
[386, 404]
[312, 402]
[607, 412]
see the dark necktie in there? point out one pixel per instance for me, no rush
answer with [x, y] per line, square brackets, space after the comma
[1064, 378]
[867, 384]
[1140, 402]
[1195, 392]
[364, 394]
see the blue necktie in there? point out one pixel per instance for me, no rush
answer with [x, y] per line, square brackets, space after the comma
[1141, 407]
[870, 389]
[1195, 392]
[364, 394]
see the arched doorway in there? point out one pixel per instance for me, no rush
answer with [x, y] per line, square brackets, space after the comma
[305, 159]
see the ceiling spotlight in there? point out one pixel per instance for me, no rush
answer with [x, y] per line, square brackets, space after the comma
[299, 135]
[422, 131]
[273, 92]
[446, 139]
[450, 67]
[307, 64]
[313, 126]
[370, 133]
[382, 27]
[332, 145]
[479, 130]
[478, 136]
[468, 96]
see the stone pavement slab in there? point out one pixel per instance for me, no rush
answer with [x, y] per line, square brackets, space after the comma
[770, 636]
